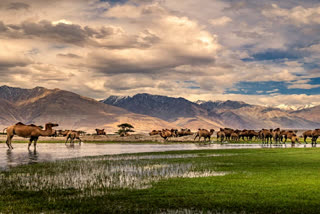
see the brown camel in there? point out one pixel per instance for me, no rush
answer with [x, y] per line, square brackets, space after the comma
[266, 136]
[244, 133]
[251, 134]
[306, 134]
[100, 132]
[276, 135]
[154, 132]
[234, 136]
[165, 134]
[184, 132]
[284, 135]
[204, 133]
[315, 135]
[63, 133]
[29, 131]
[72, 135]
[221, 135]
[174, 132]
[227, 132]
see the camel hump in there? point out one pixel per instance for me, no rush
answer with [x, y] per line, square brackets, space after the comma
[19, 123]
[33, 125]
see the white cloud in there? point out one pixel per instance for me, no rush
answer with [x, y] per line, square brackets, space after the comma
[298, 15]
[220, 21]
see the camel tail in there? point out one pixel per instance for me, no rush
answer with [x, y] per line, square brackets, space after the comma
[5, 129]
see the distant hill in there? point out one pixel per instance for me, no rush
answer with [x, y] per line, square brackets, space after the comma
[70, 110]
[235, 114]
[166, 108]
[312, 114]
[144, 111]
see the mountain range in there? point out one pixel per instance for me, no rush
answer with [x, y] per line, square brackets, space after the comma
[236, 114]
[144, 111]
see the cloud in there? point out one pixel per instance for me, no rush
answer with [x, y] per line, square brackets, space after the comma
[220, 21]
[197, 50]
[69, 55]
[297, 15]
[18, 6]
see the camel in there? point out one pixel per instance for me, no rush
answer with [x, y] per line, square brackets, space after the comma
[100, 132]
[184, 132]
[227, 132]
[276, 135]
[29, 131]
[315, 135]
[284, 135]
[63, 133]
[294, 139]
[73, 135]
[204, 133]
[306, 134]
[244, 133]
[251, 134]
[266, 136]
[154, 132]
[165, 134]
[174, 132]
[234, 136]
[221, 135]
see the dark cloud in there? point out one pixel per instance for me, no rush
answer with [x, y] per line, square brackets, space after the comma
[6, 63]
[18, 6]
[60, 32]
[3, 28]
[69, 55]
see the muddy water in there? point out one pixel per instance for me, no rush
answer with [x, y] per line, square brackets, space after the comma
[57, 151]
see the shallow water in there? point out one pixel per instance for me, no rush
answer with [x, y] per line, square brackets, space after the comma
[57, 151]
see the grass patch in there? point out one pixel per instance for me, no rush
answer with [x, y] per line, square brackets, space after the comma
[246, 180]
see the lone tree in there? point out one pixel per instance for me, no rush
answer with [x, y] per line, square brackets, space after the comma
[124, 130]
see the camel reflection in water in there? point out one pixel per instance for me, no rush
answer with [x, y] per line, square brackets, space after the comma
[27, 158]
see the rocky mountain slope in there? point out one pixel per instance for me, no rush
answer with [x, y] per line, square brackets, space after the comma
[182, 112]
[146, 112]
[69, 110]
[312, 114]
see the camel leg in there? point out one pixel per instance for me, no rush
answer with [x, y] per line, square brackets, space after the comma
[30, 142]
[305, 139]
[66, 140]
[79, 140]
[8, 142]
[35, 143]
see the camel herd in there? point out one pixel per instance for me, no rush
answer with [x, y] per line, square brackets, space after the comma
[267, 136]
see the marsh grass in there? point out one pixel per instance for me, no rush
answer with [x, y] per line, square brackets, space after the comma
[248, 181]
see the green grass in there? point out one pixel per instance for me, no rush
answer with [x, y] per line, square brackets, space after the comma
[257, 181]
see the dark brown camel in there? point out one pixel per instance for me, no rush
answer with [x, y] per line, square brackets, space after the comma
[100, 132]
[266, 136]
[306, 134]
[315, 135]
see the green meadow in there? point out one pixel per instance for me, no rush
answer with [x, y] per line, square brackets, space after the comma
[282, 180]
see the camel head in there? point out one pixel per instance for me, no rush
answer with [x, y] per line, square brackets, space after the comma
[50, 125]
[211, 131]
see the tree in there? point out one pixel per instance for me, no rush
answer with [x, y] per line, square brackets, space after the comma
[124, 130]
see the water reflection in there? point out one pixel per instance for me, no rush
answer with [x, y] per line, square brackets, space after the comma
[56, 151]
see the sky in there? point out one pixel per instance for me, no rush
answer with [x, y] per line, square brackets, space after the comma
[260, 52]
